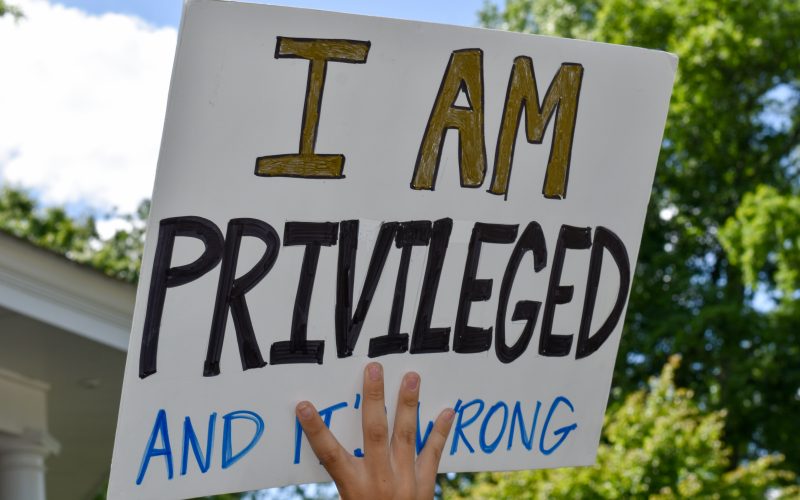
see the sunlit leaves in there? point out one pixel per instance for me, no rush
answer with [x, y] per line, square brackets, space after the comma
[76, 238]
[658, 444]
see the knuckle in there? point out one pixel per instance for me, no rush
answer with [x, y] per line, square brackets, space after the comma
[406, 435]
[374, 394]
[435, 448]
[436, 451]
[409, 402]
[313, 430]
[442, 429]
[377, 433]
[442, 433]
[330, 458]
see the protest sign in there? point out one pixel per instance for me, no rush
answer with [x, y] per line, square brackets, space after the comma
[334, 189]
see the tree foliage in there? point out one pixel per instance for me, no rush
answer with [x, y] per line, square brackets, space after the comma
[76, 238]
[713, 236]
[9, 9]
[49, 228]
[657, 444]
[120, 255]
[763, 240]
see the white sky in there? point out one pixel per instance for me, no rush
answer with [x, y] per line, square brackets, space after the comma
[82, 102]
[82, 98]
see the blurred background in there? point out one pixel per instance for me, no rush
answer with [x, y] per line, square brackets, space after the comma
[706, 394]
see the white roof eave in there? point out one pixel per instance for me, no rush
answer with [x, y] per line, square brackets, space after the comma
[54, 290]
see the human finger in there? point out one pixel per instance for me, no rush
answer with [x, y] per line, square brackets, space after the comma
[431, 454]
[404, 432]
[373, 420]
[330, 453]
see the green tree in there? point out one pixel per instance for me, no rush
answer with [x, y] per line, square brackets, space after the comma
[120, 255]
[9, 9]
[76, 238]
[657, 444]
[734, 125]
[763, 239]
[49, 228]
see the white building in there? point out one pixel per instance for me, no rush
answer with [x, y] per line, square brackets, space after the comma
[64, 331]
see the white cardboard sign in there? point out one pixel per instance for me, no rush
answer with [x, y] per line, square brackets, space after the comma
[336, 188]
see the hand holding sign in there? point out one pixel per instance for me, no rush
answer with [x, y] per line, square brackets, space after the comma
[387, 470]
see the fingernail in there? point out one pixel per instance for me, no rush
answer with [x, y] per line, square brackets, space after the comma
[449, 414]
[412, 381]
[304, 410]
[374, 370]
